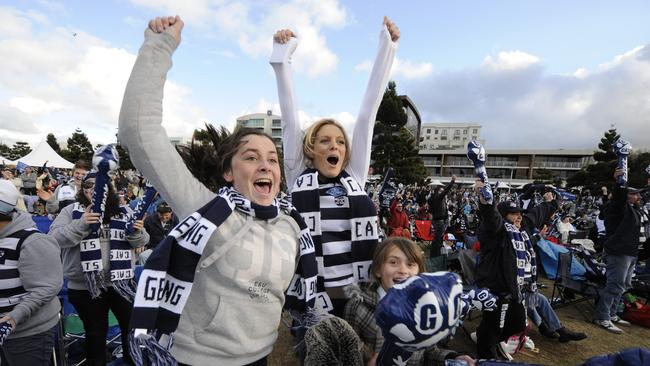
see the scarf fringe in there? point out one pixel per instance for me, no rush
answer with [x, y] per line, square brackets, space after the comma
[125, 288]
[5, 330]
[155, 353]
[96, 283]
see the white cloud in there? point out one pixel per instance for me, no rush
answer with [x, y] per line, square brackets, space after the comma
[520, 105]
[406, 69]
[55, 79]
[510, 60]
[252, 25]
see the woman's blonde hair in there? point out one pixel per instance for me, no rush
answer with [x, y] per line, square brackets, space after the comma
[408, 247]
[310, 140]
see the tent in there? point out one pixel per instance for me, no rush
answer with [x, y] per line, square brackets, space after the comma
[503, 185]
[436, 182]
[44, 153]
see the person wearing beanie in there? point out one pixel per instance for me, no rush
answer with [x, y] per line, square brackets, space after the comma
[32, 275]
[508, 266]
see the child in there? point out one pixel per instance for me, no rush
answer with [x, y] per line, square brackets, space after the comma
[395, 260]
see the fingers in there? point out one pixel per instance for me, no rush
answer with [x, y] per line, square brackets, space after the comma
[393, 30]
[283, 36]
[160, 24]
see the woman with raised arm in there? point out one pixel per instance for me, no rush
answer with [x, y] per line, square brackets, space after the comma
[217, 282]
[325, 179]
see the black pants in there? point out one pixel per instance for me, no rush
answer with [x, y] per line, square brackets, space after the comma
[490, 332]
[94, 315]
[439, 226]
[31, 350]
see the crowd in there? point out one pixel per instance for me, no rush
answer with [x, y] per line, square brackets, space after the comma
[226, 252]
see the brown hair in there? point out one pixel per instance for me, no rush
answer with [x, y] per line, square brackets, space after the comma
[81, 164]
[310, 140]
[112, 202]
[209, 161]
[408, 247]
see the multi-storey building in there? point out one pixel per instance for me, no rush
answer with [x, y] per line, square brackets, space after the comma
[448, 136]
[265, 122]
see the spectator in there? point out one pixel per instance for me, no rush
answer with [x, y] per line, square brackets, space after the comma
[624, 218]
[65, 194]
[160, 224]
[439, 215]
[398, 223]
[31, 278]
[29, 181]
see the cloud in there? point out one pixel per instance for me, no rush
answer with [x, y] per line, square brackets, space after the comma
[401, 68]
[251, 24]
[521, 105]
[55, 79]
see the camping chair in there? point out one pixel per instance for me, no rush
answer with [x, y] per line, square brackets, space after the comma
[564, 283]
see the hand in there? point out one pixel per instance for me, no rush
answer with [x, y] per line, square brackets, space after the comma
[44, 195]
[89, 217]
[393, 30]
[470, 361]
[139, 250]
[619, 172]
[171, 25]
[138, 224]
[373, 360]
[283, 36]
[9, 320]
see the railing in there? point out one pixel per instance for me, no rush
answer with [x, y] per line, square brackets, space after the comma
[558, 164]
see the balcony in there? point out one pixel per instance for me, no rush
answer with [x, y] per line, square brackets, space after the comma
[558, 164]
[500, 163]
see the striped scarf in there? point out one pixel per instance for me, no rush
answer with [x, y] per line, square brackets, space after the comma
[526, 263]
[166, 281]
[344, 256]
[121, 253]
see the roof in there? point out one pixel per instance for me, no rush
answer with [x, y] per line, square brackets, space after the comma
[44, 153]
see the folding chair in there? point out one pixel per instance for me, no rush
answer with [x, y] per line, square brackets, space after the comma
[564, 283]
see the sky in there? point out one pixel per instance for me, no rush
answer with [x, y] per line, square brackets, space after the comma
[542, 74]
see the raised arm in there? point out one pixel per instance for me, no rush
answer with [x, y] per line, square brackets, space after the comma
[140, 128]
[284, 44]
[362, 135]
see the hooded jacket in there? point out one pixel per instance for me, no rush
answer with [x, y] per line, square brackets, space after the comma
[41, 274]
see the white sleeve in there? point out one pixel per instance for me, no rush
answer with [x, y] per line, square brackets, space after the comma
[292, 135]
[362, 135]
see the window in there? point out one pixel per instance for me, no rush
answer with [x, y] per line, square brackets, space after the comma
[428, 130]
[435, 132]
[456, 138]
[427, 138]
[475, 131]
[464, 132]
[276, 123]
[456, 132]
[255, 122]
[443, 137]
[444, 132]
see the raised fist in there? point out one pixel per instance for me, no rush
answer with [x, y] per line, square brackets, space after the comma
[169, 24]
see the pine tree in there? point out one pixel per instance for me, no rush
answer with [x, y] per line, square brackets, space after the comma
[599, 174]
[19, 150]
[393, 145]
[606, 144]
[54, 144]
[79, 147]
[5, 150]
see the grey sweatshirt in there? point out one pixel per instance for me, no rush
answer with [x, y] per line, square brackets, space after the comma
[41, 275]
[69, 233]
[233, 311]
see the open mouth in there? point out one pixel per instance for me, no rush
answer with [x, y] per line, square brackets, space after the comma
[263, 185]
[333, 159]
[399, 280]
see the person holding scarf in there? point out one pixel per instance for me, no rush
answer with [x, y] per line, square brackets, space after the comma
[325, 179]
[507, 267]
[217, 284]
[99, 264]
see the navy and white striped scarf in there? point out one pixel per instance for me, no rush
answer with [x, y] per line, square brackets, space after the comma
[339, 266]
[121, 252]
[172, 266]
[526, 263]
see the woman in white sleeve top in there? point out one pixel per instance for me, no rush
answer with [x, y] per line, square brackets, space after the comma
[326, 179]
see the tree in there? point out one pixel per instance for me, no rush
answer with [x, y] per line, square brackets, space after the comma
[125, 159]
[393, 145]
[5, 150]
[19, 150]
[201, 135]
[601, 173]
[54, 144]
[79, 147]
